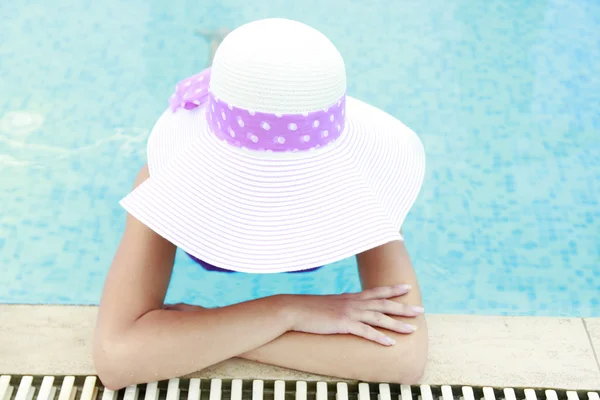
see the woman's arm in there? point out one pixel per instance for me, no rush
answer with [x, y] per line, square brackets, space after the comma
[352, 357]
[138, 340]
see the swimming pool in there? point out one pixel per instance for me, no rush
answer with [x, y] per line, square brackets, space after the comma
[505, 96]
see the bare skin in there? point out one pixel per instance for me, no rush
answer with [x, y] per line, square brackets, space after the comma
[366, 336]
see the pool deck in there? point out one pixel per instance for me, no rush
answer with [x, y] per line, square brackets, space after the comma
[465, 350]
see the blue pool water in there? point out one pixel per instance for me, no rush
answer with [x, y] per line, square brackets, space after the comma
[504, 94]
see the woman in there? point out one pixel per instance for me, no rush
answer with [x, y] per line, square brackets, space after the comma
[263, 164]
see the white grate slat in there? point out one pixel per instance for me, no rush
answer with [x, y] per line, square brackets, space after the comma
[342, 391]
[236, 389]
[131, 393]
[572, 395]
[5, 388]
[384, 392]
[279, 390]
[47, 390]
[321, 390]
[405, 393]
[593, 396]
[509, 394]
[488, 393]
[426, 392]
[194, 390]
[301, 390]
[530, 394]
[215, 389]
[468, 393]
[25, 390]
[67, 391]
[257, 389]
[173, 389]
[89, 390]
[152, 391]
[447, 393]
[551, 395]
[109, 394]
[363, 391]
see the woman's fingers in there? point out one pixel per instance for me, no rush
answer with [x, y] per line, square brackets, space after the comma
[377, 319]
[368, 332]
[384, 292]
[390, 307]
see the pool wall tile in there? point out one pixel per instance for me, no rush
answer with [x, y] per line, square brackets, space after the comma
[593, 328]
[464, 350]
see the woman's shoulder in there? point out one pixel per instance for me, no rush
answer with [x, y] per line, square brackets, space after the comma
[142, 175]
[137, 226]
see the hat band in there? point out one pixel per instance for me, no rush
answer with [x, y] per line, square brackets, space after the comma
[258, 130]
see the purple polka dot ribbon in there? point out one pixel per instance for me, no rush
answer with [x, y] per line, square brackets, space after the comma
[191, 92]
[258, 130]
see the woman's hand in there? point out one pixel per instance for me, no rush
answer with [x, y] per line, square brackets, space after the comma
[354, 313]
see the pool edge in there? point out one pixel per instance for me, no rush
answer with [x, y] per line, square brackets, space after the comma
[473, 350]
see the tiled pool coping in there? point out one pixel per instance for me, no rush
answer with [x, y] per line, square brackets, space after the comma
[465, 350]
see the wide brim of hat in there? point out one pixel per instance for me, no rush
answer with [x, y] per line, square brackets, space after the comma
[262, 212]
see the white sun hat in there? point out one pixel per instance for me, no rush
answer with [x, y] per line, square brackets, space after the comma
[264, 164]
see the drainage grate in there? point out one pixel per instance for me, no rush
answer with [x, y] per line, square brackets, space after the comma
[89, 388]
